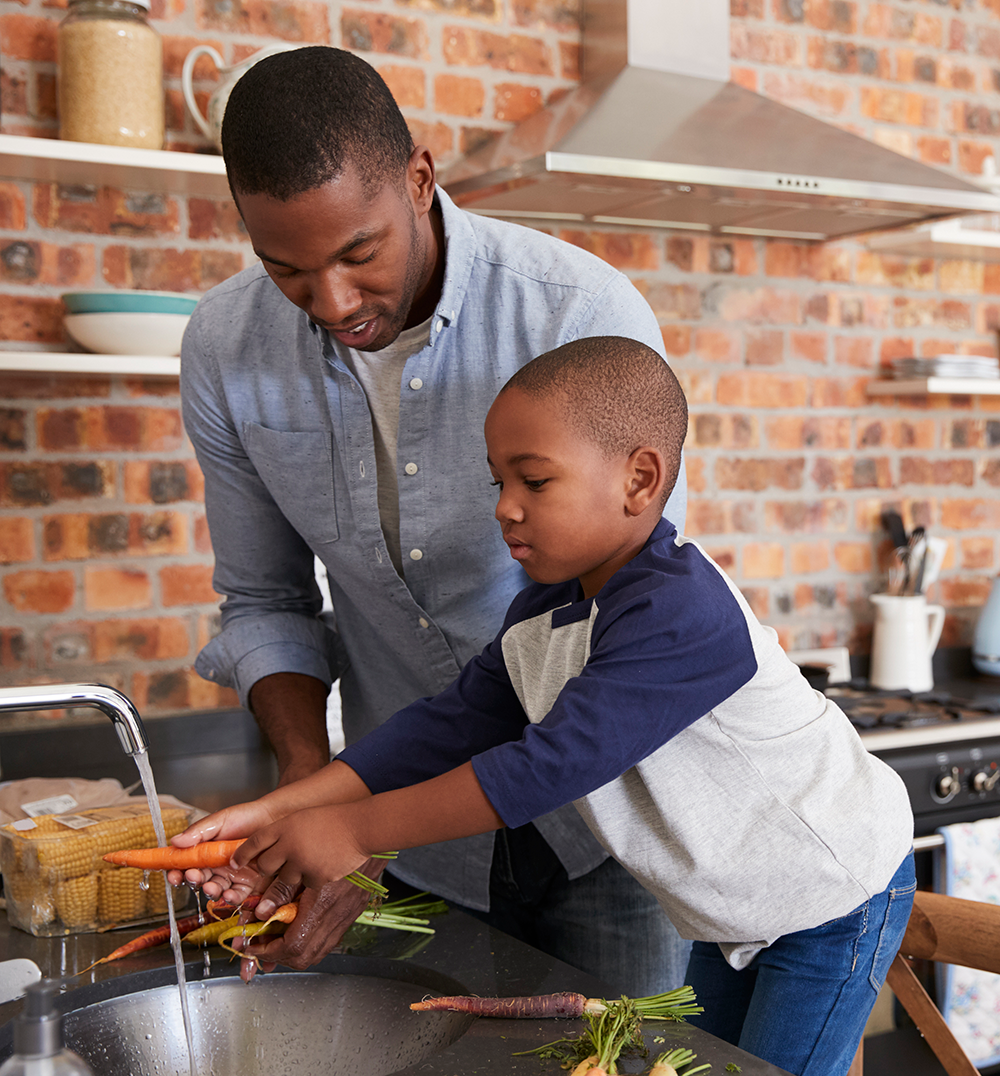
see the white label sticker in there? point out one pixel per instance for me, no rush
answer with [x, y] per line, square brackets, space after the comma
[76, 821]
[23, 824]
[52, 805]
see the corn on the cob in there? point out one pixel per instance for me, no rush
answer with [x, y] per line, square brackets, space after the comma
[120, 896]
[76, 901]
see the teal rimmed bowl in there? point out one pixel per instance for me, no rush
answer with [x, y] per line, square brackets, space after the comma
[121, 301]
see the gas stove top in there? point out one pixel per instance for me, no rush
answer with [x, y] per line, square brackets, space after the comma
[895, 719]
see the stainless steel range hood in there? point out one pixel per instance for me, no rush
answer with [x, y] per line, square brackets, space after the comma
[657, 135]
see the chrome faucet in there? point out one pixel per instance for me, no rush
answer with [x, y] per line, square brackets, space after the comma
[108, 700]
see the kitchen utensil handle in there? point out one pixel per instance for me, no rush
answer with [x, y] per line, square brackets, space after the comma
[935, 622]
[187, 74]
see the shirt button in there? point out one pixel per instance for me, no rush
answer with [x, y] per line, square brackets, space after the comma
[416, 383]
[423, 622]
[439, 326]
[416, 554]
[411, 468]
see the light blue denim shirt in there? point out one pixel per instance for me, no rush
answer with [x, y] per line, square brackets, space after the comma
[283, 434]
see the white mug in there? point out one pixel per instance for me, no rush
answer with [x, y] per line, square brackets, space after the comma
[906, 634]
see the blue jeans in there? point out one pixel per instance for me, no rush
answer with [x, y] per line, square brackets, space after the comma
[803, 1002]
[604, 922]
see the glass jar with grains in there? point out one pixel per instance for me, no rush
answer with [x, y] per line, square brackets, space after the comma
[110, 77]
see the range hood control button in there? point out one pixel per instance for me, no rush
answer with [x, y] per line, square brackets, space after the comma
[983, 781]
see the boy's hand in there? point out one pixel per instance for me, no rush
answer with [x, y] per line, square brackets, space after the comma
[308, 848]
[227, 824]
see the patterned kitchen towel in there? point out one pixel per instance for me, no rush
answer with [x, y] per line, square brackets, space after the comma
[968, 999]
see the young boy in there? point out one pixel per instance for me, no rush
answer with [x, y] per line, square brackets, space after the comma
[632, 679]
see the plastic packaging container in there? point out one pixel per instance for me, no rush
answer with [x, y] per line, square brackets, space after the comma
[56, 881]
[110, 74]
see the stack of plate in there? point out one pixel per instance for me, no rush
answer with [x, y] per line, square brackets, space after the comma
[128, 322]
[946, 366]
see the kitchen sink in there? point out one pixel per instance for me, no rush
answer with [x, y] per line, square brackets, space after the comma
[347, 1016]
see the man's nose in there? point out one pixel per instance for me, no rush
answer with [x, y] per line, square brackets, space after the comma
[334, 298]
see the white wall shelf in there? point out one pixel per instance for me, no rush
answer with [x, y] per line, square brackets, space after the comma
[50, 160]
[931, 386]
[49, 362]
[941, 239]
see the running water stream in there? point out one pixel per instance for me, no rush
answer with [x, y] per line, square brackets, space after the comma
[149, 785]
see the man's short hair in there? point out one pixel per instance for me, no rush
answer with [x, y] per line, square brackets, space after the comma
[617, 393]
[296, 119]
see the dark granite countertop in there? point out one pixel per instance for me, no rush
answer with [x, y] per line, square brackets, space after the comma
[212, 760]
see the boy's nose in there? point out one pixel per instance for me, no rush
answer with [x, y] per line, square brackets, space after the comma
[508, 510]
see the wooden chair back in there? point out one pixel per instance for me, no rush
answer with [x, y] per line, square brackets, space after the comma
[952, 931]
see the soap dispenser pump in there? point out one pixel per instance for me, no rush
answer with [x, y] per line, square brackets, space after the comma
[39, 1048]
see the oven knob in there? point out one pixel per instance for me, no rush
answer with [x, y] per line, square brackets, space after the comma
[983, 781]
[947, 784]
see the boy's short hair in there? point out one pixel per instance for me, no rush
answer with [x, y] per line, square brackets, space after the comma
[617, 393]
[296, 119]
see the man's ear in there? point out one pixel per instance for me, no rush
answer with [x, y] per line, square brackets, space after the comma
[646, 474]
[420, 179]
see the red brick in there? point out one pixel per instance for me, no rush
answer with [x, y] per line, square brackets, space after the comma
[853, 557]
[46, 263]
[13, 214]
[806, 517]
[676, 339]
[761, 390]
[899, 272]
[974, 514]
[765, 348]
[716, 345]
[959, 592]
[852, 473]
[808, 557]
[13, 429]
[854, 351]
[105, 211]
[921, 471]
[39, 592]
[760, 306]
[977, 552]
[825, 97]
[202, 537]
[569, 60]
[187, 584]
[513, 102]
[176, 49]
[152, 639]
[116, 588]
[14, 649]
[439, 138]
[623, 250]
[671, 301]
[457, 95]
[406, 84]
[839, 392]
[759, 474]
[26, 37]
[809, 346]
[558, 14]
[213, 219]
[31, 320]
[972, 155]
[802, 431]
[775, 47]
[288, 20]
[162, 482]
[17, 539]
[467, 47]
[723, 431]
[933, 150]
[763, 560]
[168, 270]
[366, 31]
[26, 484]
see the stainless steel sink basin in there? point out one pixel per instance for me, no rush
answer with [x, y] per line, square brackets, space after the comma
[356, 1020]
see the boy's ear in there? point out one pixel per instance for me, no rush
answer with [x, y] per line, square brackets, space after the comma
[646, 474]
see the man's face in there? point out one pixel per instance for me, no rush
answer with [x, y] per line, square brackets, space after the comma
[562, 503]
[361, 266]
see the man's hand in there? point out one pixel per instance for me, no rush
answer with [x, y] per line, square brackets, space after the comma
[324, 917]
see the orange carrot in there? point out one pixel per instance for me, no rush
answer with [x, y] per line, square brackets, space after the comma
[587, 1065]
[541, 1005]
[206, 854]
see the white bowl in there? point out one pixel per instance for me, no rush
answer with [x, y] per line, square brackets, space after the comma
[128, 334]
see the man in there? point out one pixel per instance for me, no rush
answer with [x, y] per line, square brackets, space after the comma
[335, 395]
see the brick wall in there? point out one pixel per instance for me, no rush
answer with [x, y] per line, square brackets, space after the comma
[105, 561]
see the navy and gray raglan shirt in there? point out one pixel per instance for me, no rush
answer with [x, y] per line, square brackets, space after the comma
[690, 744]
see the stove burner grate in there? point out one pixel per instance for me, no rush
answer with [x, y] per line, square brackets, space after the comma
[869, 708]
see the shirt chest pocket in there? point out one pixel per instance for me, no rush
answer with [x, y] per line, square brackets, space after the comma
[298, 470]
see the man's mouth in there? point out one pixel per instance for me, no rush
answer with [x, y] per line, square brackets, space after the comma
[357, 336]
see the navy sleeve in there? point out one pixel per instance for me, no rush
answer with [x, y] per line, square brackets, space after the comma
[664, 652]
[434, 735]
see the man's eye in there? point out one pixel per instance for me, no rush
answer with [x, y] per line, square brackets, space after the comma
[363, 261]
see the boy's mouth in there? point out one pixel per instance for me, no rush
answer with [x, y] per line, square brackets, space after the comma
[518, 550]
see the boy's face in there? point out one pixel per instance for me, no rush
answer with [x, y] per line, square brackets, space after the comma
[562, 504]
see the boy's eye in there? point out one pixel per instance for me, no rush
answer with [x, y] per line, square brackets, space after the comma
[535, 483]
[497, 483]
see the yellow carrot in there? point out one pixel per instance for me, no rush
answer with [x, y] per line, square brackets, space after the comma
[275, 925]
[209, 933]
